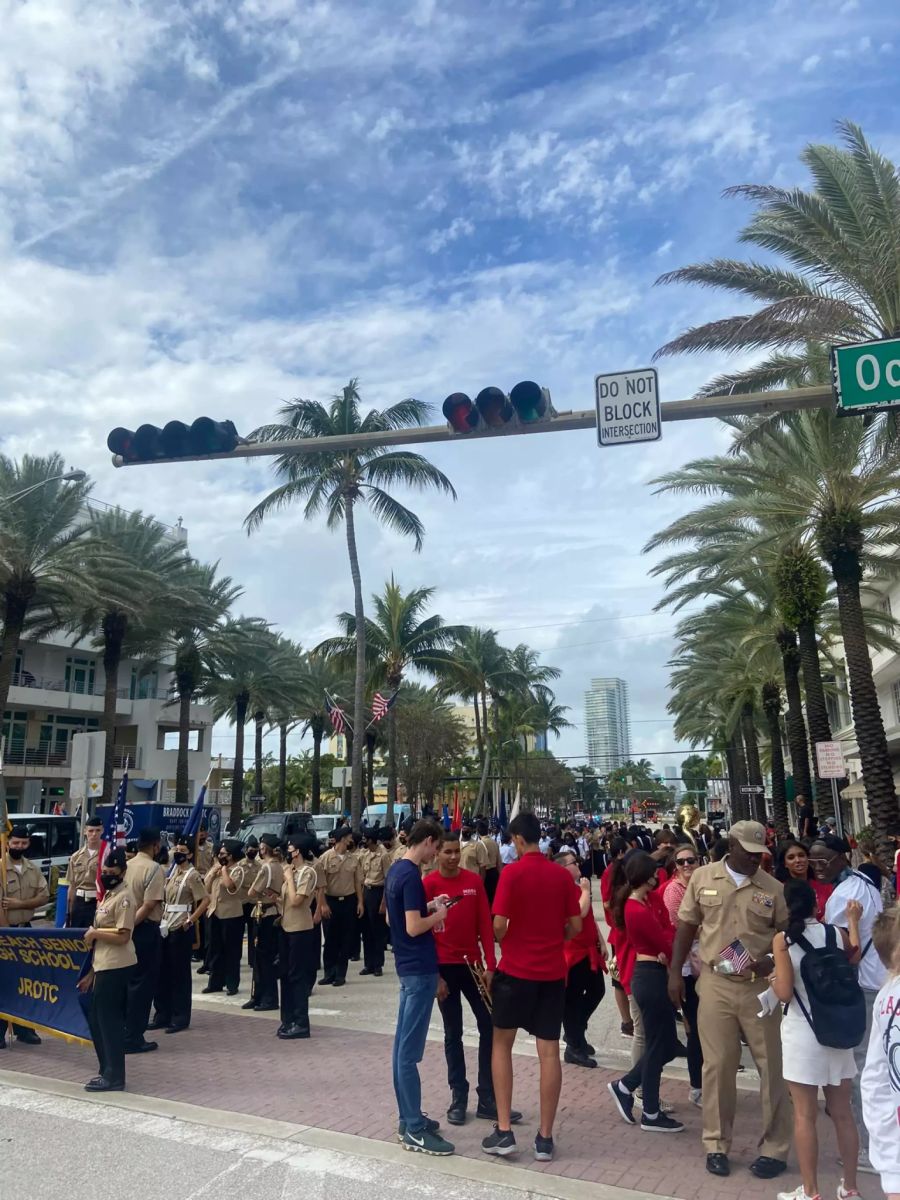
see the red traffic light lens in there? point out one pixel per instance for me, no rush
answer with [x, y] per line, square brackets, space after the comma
[121, 442]
[460, 413]
[529, 401]
[494, 407]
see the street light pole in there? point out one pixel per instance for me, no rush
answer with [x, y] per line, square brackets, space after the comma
[74, 476]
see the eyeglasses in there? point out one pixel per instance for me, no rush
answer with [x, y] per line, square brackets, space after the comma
[685, 862]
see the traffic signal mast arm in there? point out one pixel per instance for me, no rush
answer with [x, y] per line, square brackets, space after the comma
[752, 403]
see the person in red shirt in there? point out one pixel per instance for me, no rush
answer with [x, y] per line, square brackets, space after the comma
[585, 964]
[618, 849]
[536, 910]
[651, 936]
[466, 937]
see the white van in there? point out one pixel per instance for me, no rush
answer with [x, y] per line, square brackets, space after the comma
[54, 839]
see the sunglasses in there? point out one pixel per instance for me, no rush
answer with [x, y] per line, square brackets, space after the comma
[685, 862]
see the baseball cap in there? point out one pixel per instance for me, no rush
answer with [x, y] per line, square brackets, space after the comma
[749, 834]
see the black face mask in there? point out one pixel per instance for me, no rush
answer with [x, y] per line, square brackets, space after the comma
[180, 857]
[223, 861]
[110, 881]
[16, 854]
[252, 853]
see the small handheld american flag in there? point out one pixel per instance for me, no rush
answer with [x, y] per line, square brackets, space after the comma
[336, 715]
[114, 833]
[738, 955]
[381, 706]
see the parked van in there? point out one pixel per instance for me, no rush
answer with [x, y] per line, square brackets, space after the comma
[53, 840]
[282, 824]
[375, 814]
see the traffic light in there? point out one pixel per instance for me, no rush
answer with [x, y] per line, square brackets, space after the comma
[148, 443]
[492, 409]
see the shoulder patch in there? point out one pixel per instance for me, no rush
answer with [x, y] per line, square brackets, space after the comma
[125, 902]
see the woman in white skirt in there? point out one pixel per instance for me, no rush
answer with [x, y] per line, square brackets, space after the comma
[808, 1065]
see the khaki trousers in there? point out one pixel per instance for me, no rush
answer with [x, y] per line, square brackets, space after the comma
[728, 1008]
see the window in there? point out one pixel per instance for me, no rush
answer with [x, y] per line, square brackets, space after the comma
[168, 739]
[80, 675]
[144, 684]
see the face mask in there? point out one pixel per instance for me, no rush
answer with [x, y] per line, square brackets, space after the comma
[16, 854]
[110, 881]
[223, 861]
[180, 857]
[251, 853]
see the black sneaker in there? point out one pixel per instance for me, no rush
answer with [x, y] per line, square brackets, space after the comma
[426, 1142]
[624, 1102]
[487, 1111]
[502, 1142]
[661, 1124]
[543, 1148]
[431, 1125]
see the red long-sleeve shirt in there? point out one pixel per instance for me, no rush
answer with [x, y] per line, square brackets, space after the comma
[649, 928]
[468, 922]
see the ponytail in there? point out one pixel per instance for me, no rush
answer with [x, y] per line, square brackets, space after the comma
[801, 902]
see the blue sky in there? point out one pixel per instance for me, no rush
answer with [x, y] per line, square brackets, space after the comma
[211, 207]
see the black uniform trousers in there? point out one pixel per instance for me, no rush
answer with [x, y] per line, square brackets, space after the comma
[299, 961]
[491, 879]
[690, 1008]
[460, 983]
[82, 914]
[106, 1017]
[173, 991]
[250, 922]
[265, 972]
[584, 991]
[199, 954]
[341, 934]
[225, 937]
[374, 927]
[142, 984]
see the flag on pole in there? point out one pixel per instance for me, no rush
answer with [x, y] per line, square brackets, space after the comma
[516, 803]
[502, 817]
[114, 833]
[336, 715]
[456, 823]
[195, 819]
[381, 705]
[445, 816]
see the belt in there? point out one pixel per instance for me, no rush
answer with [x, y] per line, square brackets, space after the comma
[350, 896]
[178, 908]
[380, 883]
[85, 894]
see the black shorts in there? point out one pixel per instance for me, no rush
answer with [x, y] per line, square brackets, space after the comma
[535, 1005]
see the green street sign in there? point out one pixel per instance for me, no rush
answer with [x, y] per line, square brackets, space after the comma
[866, 375]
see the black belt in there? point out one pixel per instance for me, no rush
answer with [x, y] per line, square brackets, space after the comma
[350, 896]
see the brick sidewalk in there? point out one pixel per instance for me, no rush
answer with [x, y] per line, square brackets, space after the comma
[344, 1084]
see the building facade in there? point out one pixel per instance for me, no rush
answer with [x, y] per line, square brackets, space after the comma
[607, 719]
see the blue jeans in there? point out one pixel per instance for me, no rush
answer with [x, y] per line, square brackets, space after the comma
[417, 994]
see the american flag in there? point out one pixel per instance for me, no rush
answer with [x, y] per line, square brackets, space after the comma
[114, 833]
[737, 954]
[338, 719]
[381, 705]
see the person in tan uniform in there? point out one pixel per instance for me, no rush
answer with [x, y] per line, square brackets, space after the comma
[81, 875]
[146, 880]
[473, 856]
[226, 884]
[340, 902]
[185, 903]
[204, 861]
[299, 937]
[113, 960]
[265, 893]
[375, 861]
[492, 850]
[251, 866]
[26, 890]
[728, 902]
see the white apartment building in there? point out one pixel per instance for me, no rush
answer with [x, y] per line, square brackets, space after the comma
[607, 718]
[57, 691]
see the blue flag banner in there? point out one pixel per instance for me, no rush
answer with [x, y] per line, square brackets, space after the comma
[39, 968]
[445, 817]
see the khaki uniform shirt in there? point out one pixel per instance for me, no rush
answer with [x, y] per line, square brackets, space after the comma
[493, 852]
[375, 864]
[753, 912]
[205, 856]
[81, 873]
[184, 890]
[251, 868]
[222, 902]
[398, 852]
[146, 880]
[269, 877]
[25, 884]
[115, 911]
[297, 917]
[342, 873]
[473, 857]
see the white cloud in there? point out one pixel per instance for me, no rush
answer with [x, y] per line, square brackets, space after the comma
[810, 63]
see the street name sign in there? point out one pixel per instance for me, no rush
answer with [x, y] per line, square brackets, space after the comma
[753, 789]
[866, 376]
[628, 407]
[830, 760]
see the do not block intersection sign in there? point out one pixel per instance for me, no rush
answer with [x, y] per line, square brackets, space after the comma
[628, 407]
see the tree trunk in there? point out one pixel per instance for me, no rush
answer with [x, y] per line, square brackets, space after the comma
[796, 726]
[282, 766]
[315, 803]
[359, 682]
[751, 750]
[479, 740]
[878, 777]
[771, 695]
[371, 738]
[114, 625]
[242, 703]
[525, 775]
[816, 710]
[392, 762]
[737, 775]
[259, 719]
[15, 608]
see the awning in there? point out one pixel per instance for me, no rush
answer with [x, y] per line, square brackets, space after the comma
[854, 791]
[146, 784]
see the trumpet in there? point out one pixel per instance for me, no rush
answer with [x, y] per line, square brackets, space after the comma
[477, 971]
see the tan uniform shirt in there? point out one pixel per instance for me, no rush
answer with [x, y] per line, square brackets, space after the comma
[81, 873]
[375, 864]
[115, 911]
[297, 917]
[473, 857]
[342, 873]
[398, 852]
[25, 881]
[184, 891]
[146, 880]
[752, 912]
[222, 902]
[269, 877]
[493, 852]
[251, 870]
[205, 857]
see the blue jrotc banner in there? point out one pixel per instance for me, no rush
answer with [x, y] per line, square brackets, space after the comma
[39, 970]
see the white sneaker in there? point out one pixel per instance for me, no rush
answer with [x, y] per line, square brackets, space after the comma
[798, 1194]
[845, 1193]
[695, 1095]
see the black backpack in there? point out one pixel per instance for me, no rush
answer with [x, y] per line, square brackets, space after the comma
[837, 1007]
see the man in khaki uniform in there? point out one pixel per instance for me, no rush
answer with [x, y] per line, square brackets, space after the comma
[26, 890]
[81, 875]
[473, 856]
[340, 902]
[146, 881]
[374, 860]
[265, 893]
[204, 861]
[226, 883]
[735, 900]
[492, 850]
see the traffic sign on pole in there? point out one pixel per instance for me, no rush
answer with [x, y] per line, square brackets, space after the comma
[628, 407]
[830, 760]
[753, 789]
[866, 375]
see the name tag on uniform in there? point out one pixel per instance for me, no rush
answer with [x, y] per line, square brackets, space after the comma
[763, 900]
[709, 892]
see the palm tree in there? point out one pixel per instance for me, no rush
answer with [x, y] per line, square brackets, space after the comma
[321, 677]
[336, 481]
[397, 637]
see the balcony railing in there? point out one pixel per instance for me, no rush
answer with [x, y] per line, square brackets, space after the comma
[47, 755]
[25, 679]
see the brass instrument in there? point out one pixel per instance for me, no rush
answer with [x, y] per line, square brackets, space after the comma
[477, 971]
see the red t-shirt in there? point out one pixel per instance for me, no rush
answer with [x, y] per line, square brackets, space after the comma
[467, 922]
[537, 898]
